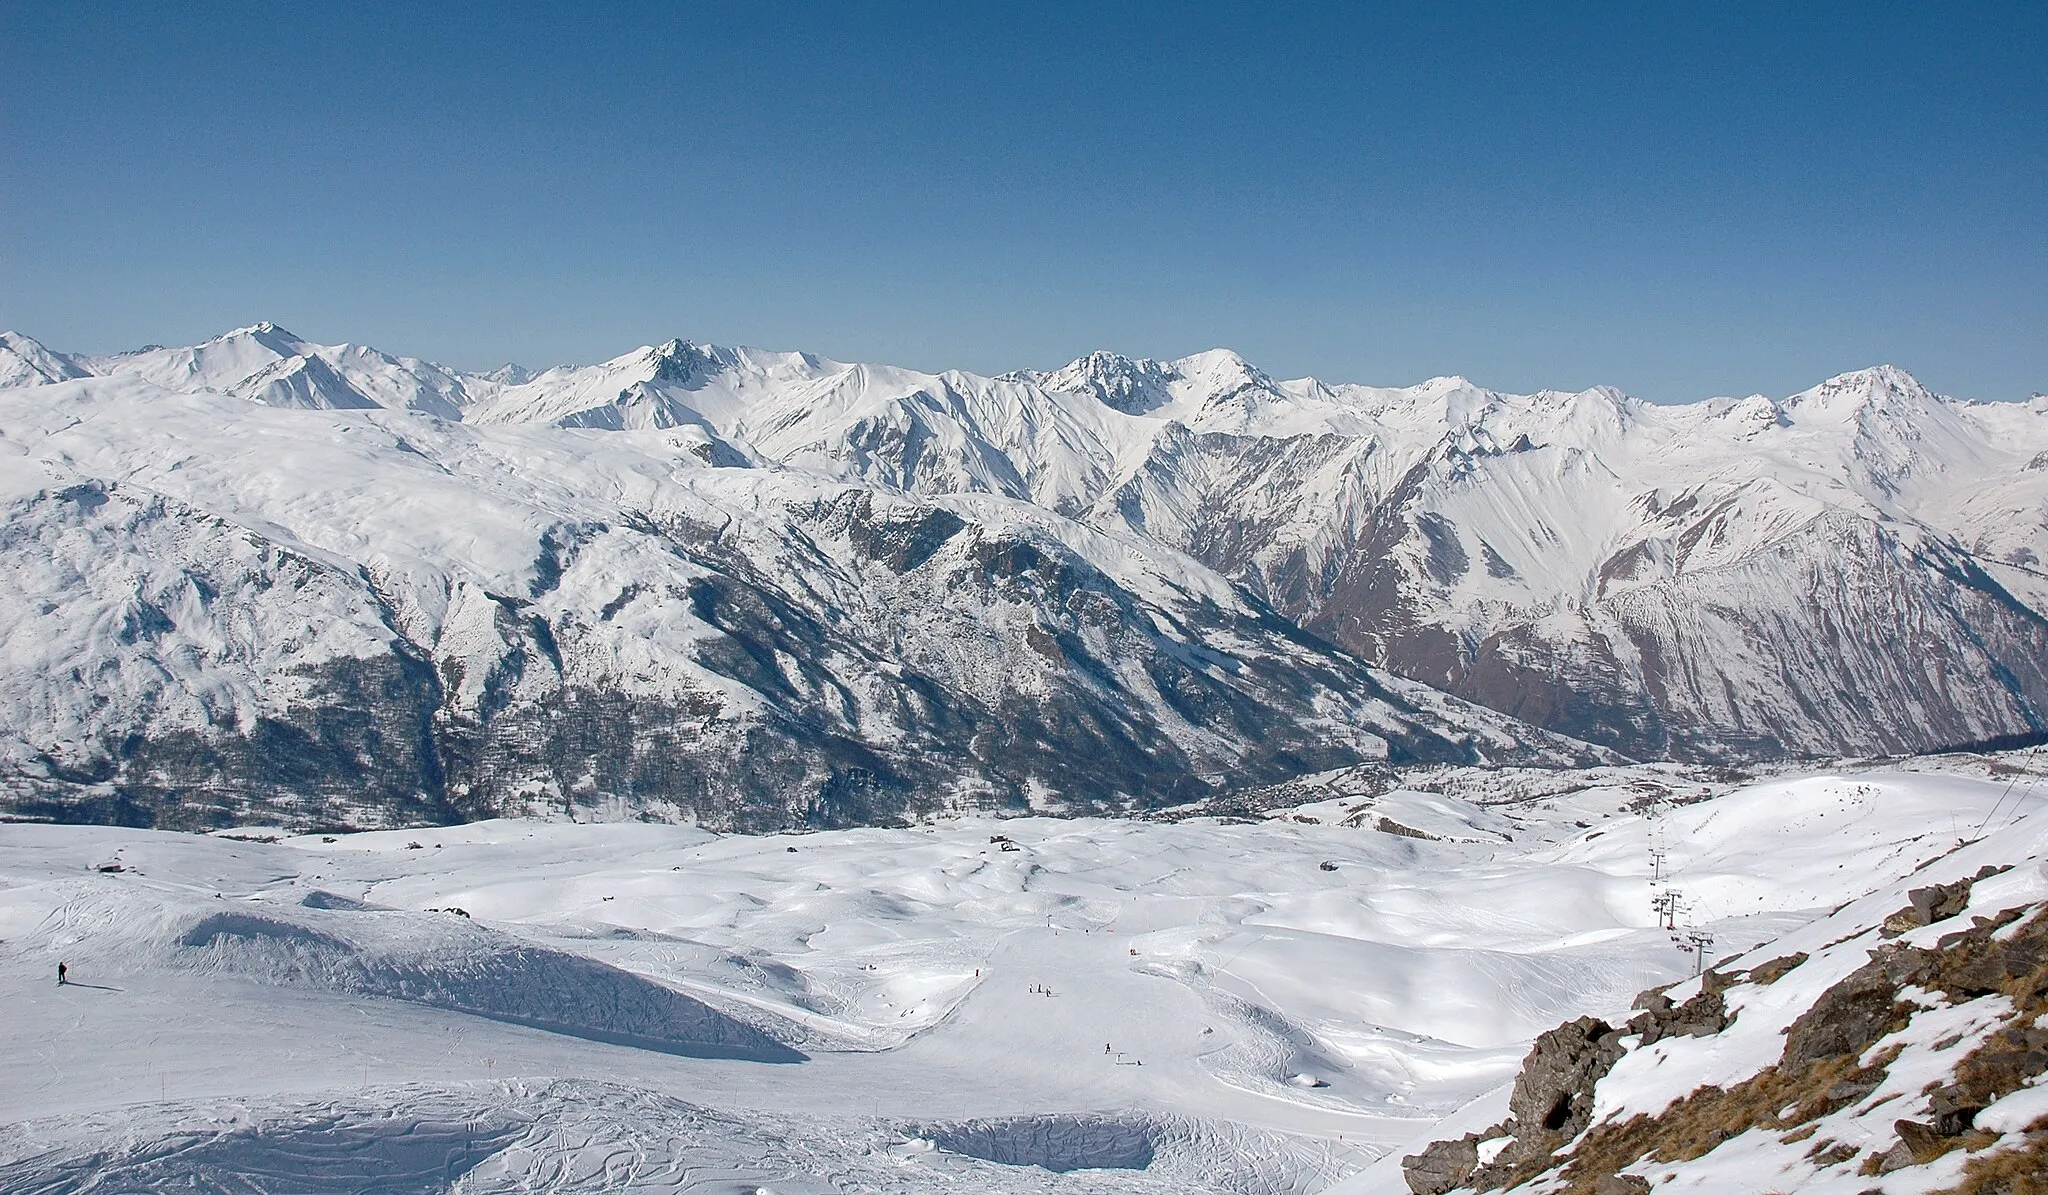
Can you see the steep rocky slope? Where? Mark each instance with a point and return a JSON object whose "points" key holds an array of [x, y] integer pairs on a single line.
{"points": [[1852, 570], [1895, 1046]]}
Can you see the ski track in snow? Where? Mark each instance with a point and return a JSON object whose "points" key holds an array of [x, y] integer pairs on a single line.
{"points": [[640, 1007]]}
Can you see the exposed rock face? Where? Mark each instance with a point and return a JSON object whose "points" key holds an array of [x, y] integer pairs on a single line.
{"points": [[1705, 1013], [1773, 970], [1388, 825], [1554, 1093], [1940, 901], [1917, 1143], [1936, 902], [1552, 1102], [1442, 1166], [1967, 965], [1849, 1017]]}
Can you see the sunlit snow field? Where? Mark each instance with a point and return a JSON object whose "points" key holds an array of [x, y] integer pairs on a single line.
{"points": [[1091, 1005]]}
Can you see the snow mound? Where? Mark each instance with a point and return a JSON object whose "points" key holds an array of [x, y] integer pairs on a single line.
{"points": [[335, 944], [1189, 1153], [316, 1148], [558, 1136], [1057, 1143], [473, 970]]}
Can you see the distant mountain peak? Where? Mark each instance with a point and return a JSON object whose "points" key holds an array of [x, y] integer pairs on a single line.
{"points": [[1221, 365], [25, 362], [303, 381], [682, 363], [509, 374], [1880, 384], [1133, 385], [260, 330]]}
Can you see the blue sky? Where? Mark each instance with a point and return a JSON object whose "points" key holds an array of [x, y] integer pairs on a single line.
{"points": [[1678, 200]]}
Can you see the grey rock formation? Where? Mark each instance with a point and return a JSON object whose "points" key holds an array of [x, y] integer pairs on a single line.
{"points": [[1442, 1165], [1847, 1018], [1553, 1095], [1705, 1013]]}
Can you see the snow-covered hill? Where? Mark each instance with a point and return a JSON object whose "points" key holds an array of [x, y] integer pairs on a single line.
{"points": [[1854, 569], [1208, 1006]]}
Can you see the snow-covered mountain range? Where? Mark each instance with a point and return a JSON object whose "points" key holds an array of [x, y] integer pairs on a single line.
{"points": [[760, 588]]}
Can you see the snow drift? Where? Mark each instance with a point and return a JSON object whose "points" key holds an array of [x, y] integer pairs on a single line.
{"points": [[438, 960]]}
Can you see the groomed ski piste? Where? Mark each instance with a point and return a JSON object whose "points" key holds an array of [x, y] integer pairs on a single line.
{"points": [[1208, 1004]]}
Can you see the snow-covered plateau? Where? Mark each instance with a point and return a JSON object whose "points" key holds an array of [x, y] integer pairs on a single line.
{"points": [[1182, 1003], [260, 579]]}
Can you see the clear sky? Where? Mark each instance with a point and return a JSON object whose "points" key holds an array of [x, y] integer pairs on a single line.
{"points": [[1681, 200]]}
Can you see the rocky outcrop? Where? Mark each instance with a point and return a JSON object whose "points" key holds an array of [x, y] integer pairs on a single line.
{"points": [[1704, 1013], [1825, 1084], [1553, 1095], [1848, 1017], [1775, 969], [1387, 825], [1552, 1103], [1936, 902], [1443, 1165], [1939, 902]]}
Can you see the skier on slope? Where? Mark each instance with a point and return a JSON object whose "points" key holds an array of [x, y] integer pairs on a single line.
{"points": [[61, 969]]}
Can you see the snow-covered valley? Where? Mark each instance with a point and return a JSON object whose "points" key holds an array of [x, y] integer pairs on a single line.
{"points": [[1025, 1004]]}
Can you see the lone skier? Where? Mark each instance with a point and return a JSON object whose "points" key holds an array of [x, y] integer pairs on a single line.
{"points": [[61, 970]]}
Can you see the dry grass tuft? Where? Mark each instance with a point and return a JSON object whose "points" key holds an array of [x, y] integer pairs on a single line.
{"points": [[1774, 1098], [1821, 1073], [2021, 1168], [1792, 1096], [1836, 1153]]}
